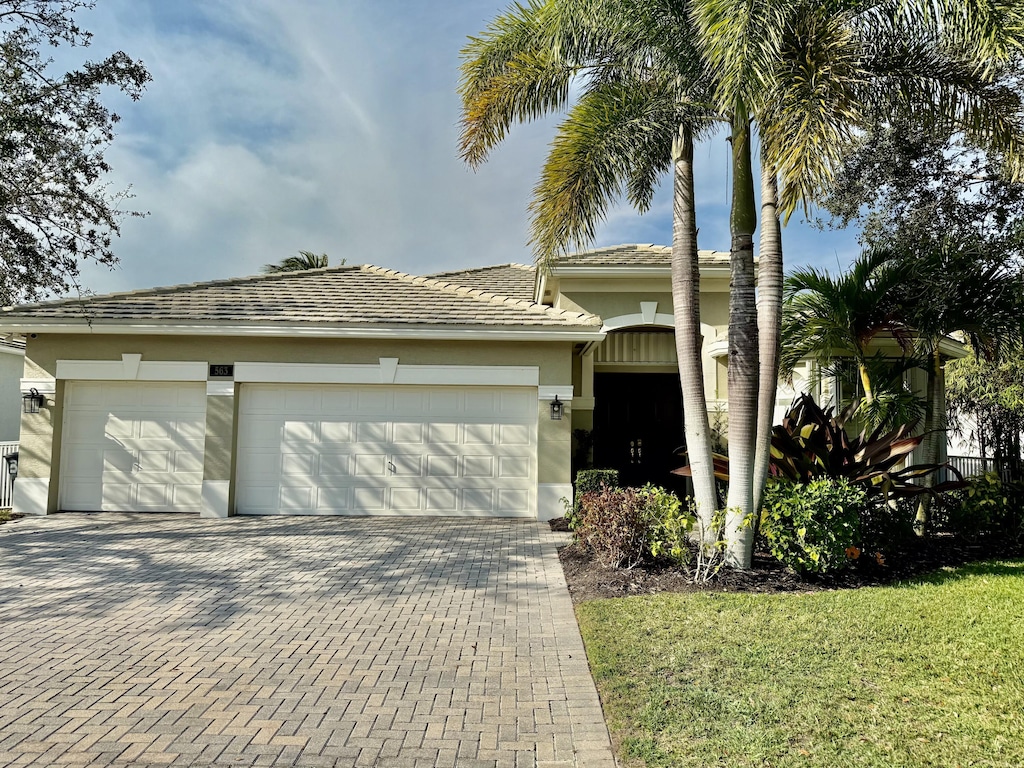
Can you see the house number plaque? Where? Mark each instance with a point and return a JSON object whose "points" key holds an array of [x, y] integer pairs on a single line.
{"points": [[222, 370]]}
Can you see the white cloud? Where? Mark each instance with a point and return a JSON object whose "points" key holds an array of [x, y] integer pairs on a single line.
{"points": [[272, 127]]}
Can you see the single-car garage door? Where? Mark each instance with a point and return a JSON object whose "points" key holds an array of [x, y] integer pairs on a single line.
{"points": [[133, 446], [403, 450]]}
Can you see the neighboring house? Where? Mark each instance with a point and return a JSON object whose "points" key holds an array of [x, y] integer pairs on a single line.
{"points": [[361, 390], [12, 368]]}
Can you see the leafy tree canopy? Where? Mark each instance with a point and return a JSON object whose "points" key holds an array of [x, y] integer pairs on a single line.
{"points": [[909, 187], [56, 210], [956, 220]]}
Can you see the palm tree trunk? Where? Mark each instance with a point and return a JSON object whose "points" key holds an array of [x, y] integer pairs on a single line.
{"points": [[743, 350], [686, 301], [769, 323], [865, 381], [934, 431]]}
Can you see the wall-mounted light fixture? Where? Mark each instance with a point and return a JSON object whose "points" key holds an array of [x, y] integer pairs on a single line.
{"points": [[557, 407], [31, 401]]}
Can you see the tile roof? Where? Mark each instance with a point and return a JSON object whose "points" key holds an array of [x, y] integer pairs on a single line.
{"points": [[513, 280], [349, 295], [633, 256]]}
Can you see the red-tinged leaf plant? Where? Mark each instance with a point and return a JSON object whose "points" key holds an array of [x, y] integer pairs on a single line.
{"points": [[812, 442]]}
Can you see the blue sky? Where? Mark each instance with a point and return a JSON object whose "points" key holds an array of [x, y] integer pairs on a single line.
{"points": [[332, 126]]}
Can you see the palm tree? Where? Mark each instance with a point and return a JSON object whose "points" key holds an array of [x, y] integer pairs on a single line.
{"points": [[824, 315], [305, 260], [641, 106], [769, 322], [920, 297], [811, 75], [959, 286]]}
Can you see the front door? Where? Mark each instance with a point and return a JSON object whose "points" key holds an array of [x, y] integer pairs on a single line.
{"points": [[638, 426]]}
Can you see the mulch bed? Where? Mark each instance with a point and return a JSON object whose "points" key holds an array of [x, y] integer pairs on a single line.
{"points": [[589, 579]]}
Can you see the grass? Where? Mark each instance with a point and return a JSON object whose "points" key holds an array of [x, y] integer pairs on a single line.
{"points": [[926, 673]]}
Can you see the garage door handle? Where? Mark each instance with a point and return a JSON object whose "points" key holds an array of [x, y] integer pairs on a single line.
{"points": [[391, 468]]}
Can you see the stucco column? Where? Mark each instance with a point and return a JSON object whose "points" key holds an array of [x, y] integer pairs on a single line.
{"points": [[35, 488], [554, 452], [220, 437]]}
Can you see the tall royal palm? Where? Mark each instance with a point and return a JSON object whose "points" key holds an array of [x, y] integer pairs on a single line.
{"points": [[808, 76], [642, 103]]}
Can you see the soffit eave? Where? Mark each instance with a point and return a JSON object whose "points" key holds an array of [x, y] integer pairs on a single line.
{"points": [[28, 326], [619, 272]]}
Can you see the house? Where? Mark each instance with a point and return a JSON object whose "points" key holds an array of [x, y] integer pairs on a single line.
{"points": [[12, 365], [361, 390]]}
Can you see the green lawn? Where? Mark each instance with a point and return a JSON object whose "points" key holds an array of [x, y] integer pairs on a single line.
{"points": [[927, 673]]}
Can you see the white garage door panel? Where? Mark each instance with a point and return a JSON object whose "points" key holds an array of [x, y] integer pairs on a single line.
{"points": [[337, 449], [133, 446]]}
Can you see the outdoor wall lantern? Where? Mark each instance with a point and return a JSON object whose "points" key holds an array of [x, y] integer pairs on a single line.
{"points": [[31, 401], [557, 406]]}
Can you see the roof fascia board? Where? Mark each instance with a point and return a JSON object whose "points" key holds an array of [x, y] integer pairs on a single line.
{"points": [[441, 334]]}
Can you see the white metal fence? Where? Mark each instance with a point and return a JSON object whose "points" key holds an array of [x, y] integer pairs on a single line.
{"points": [[6, 482], [972, 466]]}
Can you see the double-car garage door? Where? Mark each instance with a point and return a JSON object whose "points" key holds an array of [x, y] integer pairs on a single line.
{"points": [[407, 450], [306, 449]]}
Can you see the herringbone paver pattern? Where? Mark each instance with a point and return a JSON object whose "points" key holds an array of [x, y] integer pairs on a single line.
{"points": [[149, 640]]}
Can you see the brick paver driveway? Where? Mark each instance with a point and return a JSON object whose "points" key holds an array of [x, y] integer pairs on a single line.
{"points": [[166, 639]]}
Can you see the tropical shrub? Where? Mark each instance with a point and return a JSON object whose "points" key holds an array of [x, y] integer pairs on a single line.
{"points": [[615, 524], [624, 526], [588, 480], [811, 527], [886, 526], [671, 524], [986, 507], [811, 443]]}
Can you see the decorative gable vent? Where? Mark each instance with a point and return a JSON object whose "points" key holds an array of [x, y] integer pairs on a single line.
{"points": [[653, 347]]}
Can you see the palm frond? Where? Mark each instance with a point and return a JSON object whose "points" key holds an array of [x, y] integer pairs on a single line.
{"points": [[305, 260], [616, 138]]}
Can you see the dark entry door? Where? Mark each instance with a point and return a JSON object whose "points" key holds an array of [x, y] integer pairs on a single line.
{"points": [[638, 426]]}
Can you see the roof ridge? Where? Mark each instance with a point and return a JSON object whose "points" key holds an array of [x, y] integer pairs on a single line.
{"points": [[181, 287], [479, 293]]}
